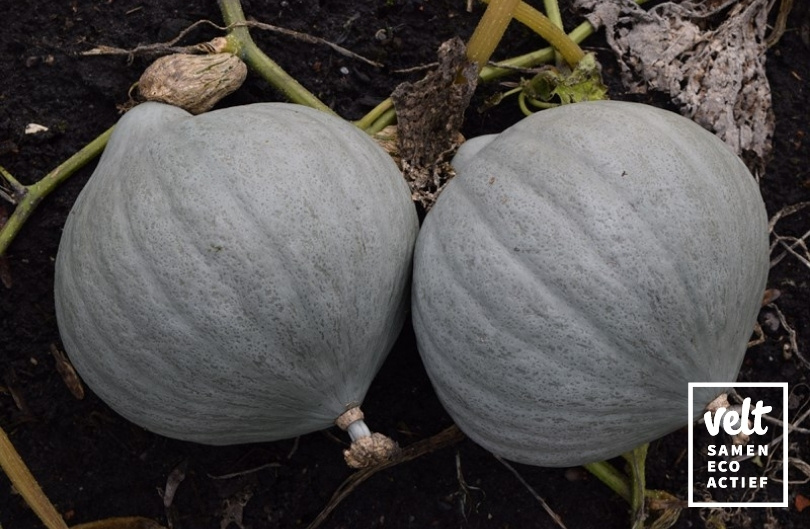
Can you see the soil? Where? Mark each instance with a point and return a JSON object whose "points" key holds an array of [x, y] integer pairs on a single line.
{"points": [[94, 465]]}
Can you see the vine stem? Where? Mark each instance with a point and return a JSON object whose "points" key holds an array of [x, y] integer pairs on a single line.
{"points": [[489, 31], [29, 197], [633, 488], [636, 459], [615, 480], [242, 45], [541, 56], [367, 121], [25, 483], [553, 13], [550, 31]]}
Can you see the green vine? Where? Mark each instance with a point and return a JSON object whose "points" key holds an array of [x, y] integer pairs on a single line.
{"points": [[550, 30], [242, 45], [27, 198], [490, 30]]}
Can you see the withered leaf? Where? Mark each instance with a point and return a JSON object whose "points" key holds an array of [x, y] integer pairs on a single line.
{"points": [[430, 113], [709, 56], [68, 374]]}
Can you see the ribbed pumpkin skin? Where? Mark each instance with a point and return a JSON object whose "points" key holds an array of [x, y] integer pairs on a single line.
{"points": [[237, 276], [580, 270]]}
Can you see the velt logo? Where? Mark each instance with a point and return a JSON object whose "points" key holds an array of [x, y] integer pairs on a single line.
{"points": [[732, 418], [732, 450]]}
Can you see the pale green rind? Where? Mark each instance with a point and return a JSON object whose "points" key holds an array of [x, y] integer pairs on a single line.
{"points": [[579, 271], [236, 276], [469, 149]]}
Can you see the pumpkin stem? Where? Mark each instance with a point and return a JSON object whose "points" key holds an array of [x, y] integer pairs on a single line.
{"points": [[367, 449]]}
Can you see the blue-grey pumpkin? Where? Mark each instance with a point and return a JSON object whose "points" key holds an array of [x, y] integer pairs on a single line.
{"points": [[584, 266], [236, 276]]}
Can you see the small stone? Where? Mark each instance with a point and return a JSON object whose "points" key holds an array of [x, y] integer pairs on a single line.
{"points": [[35, 128]]}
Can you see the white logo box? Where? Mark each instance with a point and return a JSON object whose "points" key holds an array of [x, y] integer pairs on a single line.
{"points": [[784, 477]]}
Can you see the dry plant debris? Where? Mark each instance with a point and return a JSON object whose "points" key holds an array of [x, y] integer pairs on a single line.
{"points": [[430, 113], [171, 46], [709, 56], [67, 372], [194, 83], [447, 437]]}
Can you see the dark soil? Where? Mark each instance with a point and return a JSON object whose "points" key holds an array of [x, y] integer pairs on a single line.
{"points": [[93, 464]]}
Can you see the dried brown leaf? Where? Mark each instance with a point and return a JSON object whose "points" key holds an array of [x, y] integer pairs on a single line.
{"points": [[173, 482], [68, 374], [430, 113], [714, 71]]}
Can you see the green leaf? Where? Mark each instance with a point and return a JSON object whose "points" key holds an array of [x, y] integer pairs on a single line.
{"points": [[584, 83]]}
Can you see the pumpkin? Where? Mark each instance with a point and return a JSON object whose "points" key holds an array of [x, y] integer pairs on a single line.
{"points": [[236, 276], [580, 270]]}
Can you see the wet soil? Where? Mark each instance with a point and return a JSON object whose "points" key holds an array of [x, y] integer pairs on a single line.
{"points": [[93, 464]]}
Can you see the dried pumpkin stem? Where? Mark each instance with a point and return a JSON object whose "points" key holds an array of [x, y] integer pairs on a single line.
{"points": [[367, 449], [242, 44], [27, 486], [30, 196]]}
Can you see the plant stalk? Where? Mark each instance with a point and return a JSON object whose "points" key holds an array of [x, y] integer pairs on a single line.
{"points": [[489, 31], [538, 22], [554, 15], [367, 122], [638, 484], [615, 480], [553, 12], [33, 194], [27, 486], [533, 58], [389, 117], [541, 56], [241, 43]]}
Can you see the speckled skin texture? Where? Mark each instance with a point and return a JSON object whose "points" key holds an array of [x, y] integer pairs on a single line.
{"points": [[580, 270], [237, 276]]}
